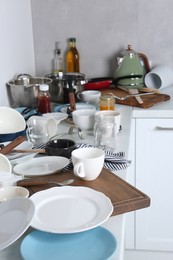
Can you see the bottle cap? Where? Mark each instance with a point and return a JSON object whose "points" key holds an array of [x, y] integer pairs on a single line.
{"points": [[72, 39], [44, 87]]}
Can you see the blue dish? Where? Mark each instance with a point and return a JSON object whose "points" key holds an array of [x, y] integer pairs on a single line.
{"points": [[11, 137], [94, 244]]}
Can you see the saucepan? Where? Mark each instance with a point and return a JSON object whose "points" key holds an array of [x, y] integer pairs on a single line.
{"points": [[104, 82]]}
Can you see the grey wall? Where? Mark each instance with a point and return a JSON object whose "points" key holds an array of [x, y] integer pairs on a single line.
{"points": [[103, 28]]}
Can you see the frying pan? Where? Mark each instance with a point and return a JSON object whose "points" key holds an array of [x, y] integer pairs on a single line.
{"points": [[104, 82]]}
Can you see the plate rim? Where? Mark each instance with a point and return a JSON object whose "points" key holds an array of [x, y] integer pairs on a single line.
{"points": [[28, 211], [66, 190], [44, 159]]}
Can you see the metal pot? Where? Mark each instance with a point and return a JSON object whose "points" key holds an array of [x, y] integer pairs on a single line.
{"points": [[59, 86], [23, 90]]}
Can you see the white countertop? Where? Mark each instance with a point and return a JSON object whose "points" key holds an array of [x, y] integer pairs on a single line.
{"points": [[159, 110], [116, 223]]}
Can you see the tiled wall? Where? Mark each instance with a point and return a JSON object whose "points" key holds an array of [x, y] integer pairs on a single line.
{"points": [[103, 29]]}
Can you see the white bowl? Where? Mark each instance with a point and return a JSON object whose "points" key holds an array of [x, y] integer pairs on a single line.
{"points": [[11, 121], [84, 118], [5, 165], [89, 95], [11, 192]]}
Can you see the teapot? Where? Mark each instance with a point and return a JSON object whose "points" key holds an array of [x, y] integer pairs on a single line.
{"points": [[131, 69]]}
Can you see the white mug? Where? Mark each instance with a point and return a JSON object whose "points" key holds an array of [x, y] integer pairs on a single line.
{"points": [[40, 129], [84, 118], [159, 77], [88, 162]]}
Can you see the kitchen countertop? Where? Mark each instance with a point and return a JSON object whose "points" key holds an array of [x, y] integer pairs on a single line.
{"points": [[159, 110]]}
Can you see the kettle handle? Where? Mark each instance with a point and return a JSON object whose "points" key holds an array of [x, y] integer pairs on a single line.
{"points": [[146, 62]]}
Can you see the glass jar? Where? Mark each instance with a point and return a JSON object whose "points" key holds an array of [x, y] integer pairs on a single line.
{"points": [[105, 132], [107, 102]]}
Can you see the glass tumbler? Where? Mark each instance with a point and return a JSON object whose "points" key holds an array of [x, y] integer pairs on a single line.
{"points": [[105, 132]]}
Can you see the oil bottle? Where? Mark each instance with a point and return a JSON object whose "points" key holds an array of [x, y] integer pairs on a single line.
{"points": [[72, 57]]}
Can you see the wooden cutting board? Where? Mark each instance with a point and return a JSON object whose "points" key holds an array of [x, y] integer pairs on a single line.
{"points": [[124, 196], [148, 100]]}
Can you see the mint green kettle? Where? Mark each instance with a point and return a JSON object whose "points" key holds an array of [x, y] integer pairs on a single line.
{"points": [[131, 69]]}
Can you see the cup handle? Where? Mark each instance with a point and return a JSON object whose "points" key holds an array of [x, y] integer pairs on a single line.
{"points": [[79, 170]]}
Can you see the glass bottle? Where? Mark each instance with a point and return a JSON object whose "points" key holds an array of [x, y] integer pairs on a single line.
{"points": [[44, 99], [58, 60], [72, 57]]}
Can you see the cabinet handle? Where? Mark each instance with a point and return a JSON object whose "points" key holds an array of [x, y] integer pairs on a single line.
{"points": [[164, 128]]}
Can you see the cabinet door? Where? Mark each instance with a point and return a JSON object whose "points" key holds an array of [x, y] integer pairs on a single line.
{"points": [[154, 176]]}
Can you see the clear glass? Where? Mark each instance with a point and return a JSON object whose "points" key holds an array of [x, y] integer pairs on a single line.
{"points": [[105, 133]]}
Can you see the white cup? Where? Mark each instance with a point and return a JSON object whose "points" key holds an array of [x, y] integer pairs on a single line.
{"points": [[40, 129], [90, 96], [115, 114], [84, 118], [88, 162], [159, 77]]}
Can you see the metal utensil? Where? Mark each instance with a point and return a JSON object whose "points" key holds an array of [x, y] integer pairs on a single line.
{"points": [[37, 182], [132, 95]]}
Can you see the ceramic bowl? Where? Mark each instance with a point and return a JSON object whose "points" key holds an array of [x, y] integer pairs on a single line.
{"points": [[90, 96], [11, 192], [60, 147], [5, 165], [84, 118], [11, 121]]}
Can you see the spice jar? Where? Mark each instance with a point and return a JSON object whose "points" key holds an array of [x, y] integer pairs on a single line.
{"points": [[107, 102], [44, 99]]}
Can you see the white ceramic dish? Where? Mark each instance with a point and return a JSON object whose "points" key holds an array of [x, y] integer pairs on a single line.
{"points": [[5, 165], [15, 218], [89, 95], [11, 192], [70, 209], [11, 121], [84, 118], [78, 106], [41, 166], [58, 116], [24, 145], [94, 244]]}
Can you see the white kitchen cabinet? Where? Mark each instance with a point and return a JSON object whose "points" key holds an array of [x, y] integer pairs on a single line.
{"points": [[152, 236]]}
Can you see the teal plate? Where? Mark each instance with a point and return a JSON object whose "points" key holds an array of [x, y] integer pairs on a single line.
{"points": [[94, 244]]}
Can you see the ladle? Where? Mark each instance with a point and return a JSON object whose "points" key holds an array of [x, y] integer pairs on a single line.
{"points": [[132, 95]]}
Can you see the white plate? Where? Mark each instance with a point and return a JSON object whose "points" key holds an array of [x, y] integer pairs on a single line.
{"points": [[22, 146], [58, 116], [41, 166], [70, 209], [15, 218]]}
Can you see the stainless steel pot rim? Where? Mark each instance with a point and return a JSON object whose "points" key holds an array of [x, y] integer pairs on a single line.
{"points": [[29, 82]]}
